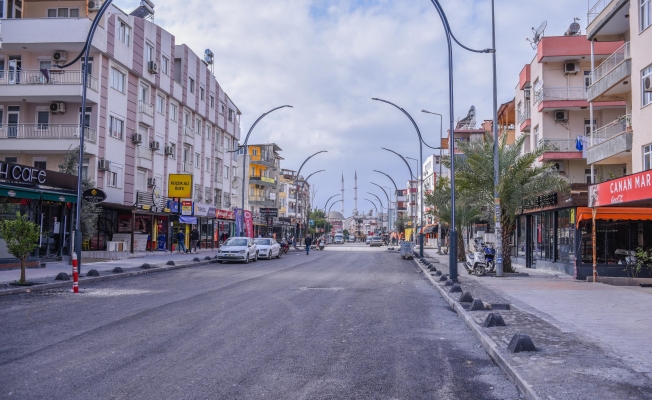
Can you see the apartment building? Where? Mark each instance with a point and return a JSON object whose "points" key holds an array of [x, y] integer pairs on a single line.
{"points": [[263, 182], [297, 202], [153, 108]]}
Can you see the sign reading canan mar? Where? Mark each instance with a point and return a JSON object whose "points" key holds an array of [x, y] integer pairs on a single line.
{"points": [[180, 185]]}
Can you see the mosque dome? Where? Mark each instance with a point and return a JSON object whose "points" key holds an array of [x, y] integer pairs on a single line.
{"points": [[335, 215]]}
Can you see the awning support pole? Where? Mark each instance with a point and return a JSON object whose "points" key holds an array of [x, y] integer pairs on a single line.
{"points": [[593, 243]]}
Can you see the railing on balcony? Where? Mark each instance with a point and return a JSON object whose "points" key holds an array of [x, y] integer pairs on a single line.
{"points": [[596, 10], [560, 93], [187, 167], [608, 65], [614, 128], [146, 108], [188, 131], [256, 179], [47, 77], [260, 199], [144, 152], [561, 145], [46, 131], [523, 115]]}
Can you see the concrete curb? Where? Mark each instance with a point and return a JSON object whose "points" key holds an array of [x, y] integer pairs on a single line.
{"points": [[487, 343], [57, 285]]}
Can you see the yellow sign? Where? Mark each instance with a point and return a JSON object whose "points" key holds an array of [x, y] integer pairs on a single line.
{"points": [[266, 179], [180, 185]]}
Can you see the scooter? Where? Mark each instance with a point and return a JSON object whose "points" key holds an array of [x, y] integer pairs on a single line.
{"points": [[490, 256], [475, 262], [321, 245]]}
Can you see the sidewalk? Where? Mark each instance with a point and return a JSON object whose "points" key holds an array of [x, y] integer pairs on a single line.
{"points": [[612, 325]]}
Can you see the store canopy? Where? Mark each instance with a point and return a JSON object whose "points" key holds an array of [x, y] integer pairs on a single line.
{"points": [[188, 220], [429, 229], [30, 193], [615, 213]]}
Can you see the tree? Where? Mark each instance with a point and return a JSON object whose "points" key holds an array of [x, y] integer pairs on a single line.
{"points": [[22, 237], [88, 211], [467, 209], [401, 222], [521, 179]]}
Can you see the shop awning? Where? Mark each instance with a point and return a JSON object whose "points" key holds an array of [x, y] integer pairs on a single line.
{"points": [[429, 229], [188, 220], [30, 193], [62, 197], [616, 213]]}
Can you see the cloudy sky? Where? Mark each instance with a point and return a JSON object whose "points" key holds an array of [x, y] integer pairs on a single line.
{"points": [[328, 58]]}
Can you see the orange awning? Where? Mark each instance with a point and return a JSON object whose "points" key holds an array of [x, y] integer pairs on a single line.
{"points": [[617, 213]]}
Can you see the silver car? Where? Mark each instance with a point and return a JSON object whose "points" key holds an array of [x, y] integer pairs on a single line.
{"points": [[242, 249], [268, 248], [376, 241]]}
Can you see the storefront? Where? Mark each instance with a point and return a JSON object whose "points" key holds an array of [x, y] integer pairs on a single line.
{"points": [[48, 199], [206, 225], [225, 220]]}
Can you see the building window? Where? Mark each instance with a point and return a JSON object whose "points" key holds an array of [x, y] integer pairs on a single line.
{"points": [[114, 177], [222, 108], [198, 192], [212, 101], [117, 80], [42, 120], [226, 172], [173, 111], [536, 136], [647, 157], [588, 128], [646, 14], [85, 162], [207, 164], [160, 104], [149, 52], [647, 96], [197, 160], [587, 79], [62, 12], [40, 163], [186, 119], [191, 85], [165, 65], [124, 33], [116, 127], [202, 93], [208, 132], [230, 115], [227, 143], [218, 170], [198, 126]]}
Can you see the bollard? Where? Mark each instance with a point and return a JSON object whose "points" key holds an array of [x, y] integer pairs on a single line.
{"points": [[75, 274]]}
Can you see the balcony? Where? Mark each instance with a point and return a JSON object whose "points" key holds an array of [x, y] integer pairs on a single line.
{"points": [[62, 85], [263, 160], [50, 137], [559, 149], [263, 201], [188, 135], [606, 79], [557, 97], [262, 180], [612, 143], [606, 19], [524, 121], [144, 157], [146, 113], [187, 167]]}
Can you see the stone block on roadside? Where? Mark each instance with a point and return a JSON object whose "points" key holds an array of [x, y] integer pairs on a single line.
{"points": [[145, 266], [456, 288], [170, 262], [449, 282], [443, 278], [207, 258], [477, 305], [521, 342], [92, 272], [118, 270], [196, 259], [62, 276], [493, 319], [438, 273], [466, 297]]}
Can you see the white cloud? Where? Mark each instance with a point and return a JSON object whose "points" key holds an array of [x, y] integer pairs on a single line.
{"points": [[327, 58]]}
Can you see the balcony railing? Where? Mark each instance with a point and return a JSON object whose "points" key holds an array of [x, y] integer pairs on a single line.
{"points": [[146, 108], [612, 129], [144, 152], [47, 77], [187, 167], [596, 10], [264, 179], [608, 65], [46, 131], [523, 115], [560, 93], [260, 199], [561, 145], [188, 131]]}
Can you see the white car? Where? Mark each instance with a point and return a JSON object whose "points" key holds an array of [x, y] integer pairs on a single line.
{"points": [[369, 239], [268, 248], [241, 249]]}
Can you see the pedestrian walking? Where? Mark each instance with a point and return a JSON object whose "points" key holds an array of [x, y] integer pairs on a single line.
{"points": [[308, 242], [181, 241], [194, 239]]}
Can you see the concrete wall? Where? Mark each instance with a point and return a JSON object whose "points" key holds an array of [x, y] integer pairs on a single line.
{"points": [[641, 43]]}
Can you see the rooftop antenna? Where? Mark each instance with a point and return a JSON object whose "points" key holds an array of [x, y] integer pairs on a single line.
{"points": [[574, 28], [538, 34], [209, 58]]}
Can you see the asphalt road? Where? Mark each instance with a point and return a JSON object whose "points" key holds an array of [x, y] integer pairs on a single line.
{"points": [[346, 323]]}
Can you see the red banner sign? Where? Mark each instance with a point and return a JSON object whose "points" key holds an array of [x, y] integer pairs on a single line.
{"points": [[622, 190], [249, 223], [224, 214]]}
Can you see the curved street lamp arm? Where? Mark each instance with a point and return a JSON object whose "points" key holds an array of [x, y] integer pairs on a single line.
{"points": [[306, 180], [444, 20], [379, 200], [306, 160], [244, 144], [405, 161], [384, 191], [409, 116], [335, 202], [374, 204], [329, 199], [390, 178]]}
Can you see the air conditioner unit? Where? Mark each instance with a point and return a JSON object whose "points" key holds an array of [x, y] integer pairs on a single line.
{"points": [[137, 138], [558, 167], [104, 165], [94, 5], [151, 181], [647, 84], [571, 67], [155, 145], [561, 115], [153, 67], [169, 150], [58, 107], [526, 93], [60, 56]]}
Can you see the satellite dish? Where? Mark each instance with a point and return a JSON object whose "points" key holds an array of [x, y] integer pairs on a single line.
{"points": [[208, 52], [208, 57], [538, 34], [574, 28]]}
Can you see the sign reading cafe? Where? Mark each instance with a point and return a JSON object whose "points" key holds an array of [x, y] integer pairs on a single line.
{"points": [[26, 175]]}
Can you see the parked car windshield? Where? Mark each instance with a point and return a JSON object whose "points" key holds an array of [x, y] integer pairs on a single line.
{"points": [[236, 242], [264, 242]]}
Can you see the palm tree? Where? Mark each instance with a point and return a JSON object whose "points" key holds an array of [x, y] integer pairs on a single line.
{"points": [[521, 179]]}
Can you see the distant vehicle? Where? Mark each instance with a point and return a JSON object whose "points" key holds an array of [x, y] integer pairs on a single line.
{"points": [[376, 241], [339, 238], [369, 239], [351, 239], [238, 249], [268, 248]]}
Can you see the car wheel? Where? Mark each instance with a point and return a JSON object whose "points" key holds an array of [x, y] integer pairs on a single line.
{"points": [[219, 261], [255, 257], [246, 261], [278, 255]]}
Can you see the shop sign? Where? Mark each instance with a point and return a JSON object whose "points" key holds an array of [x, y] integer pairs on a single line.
{"points": [[622, 190], [180, 185], [93, 195], [201, 210], [272, 196], [269, 212], [11, 193], [266, 179], [545, 200], [224, 214], [186, 207], [35, 176]]}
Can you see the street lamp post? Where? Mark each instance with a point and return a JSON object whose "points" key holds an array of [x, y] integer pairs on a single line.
{"points": [[374, 204], [395, 195], [389, 206], [412, 217], [307, 203], [421, 166], [441, 127], [297, 180], [452, 259], [381, 209]]}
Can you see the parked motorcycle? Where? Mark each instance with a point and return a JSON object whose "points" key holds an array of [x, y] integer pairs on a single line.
{"points": [[490, 258], [475, 262], [285, 246]]}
